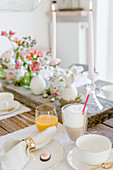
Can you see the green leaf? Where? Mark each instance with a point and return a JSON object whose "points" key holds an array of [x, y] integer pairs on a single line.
{"points": [[48, 91], [16, 49], [28, 68], [61, 80], [78, 97], [22, 58], [19, 82], [17, 55], [24, 64]]}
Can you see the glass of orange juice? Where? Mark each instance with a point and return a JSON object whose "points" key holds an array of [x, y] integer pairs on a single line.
{"points": [[45, 116]]}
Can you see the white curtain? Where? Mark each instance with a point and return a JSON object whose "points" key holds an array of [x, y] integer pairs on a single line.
{"points": [[110, 43], [104, 39]]}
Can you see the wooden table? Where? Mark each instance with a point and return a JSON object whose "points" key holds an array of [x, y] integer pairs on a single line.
{"points": [[27, 119], [94, 115]]}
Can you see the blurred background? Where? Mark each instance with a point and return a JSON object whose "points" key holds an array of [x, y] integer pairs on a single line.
{"points": [[72, 31]]}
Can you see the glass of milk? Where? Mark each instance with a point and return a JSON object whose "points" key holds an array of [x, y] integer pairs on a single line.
{"points": [[74, 121]]}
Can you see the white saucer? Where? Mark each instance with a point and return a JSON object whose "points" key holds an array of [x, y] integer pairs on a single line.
{"points": [[57, 153], [74, 161], [16, 106]]}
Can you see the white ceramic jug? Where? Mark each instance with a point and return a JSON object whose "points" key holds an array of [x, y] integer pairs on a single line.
{"points": [[38, 84]]}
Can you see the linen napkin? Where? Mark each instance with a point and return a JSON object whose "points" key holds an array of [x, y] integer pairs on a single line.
{"points": [[16, 154], [21, 109]]}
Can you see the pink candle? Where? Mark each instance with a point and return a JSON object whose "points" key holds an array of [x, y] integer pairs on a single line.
{"points": [[54, 61], [53, 31], [90, 41]]}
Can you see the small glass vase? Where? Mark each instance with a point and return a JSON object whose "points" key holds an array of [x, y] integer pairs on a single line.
{"points": [[2, 75], [27, 79]]}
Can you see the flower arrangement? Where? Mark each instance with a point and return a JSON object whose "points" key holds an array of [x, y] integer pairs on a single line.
{"points": [[25, 54]]}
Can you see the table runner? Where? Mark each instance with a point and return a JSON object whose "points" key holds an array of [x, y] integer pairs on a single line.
{"points": [[60, 137], [21, 109]]}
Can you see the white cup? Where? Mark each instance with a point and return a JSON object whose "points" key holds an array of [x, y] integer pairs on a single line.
{"points": [[93, 149], [6, 100], [108, 91]]}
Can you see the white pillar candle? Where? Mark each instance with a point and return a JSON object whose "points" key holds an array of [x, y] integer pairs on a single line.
{"points": [[90, 41], [53, 31]]}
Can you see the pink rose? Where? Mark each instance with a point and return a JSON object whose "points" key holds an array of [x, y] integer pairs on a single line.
{"points": [[35, 66], [55, 61], [40, 54], [11, 33], [18, 64], [3, 33]]}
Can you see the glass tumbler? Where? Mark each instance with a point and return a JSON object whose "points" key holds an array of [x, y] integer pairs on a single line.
{"points": [[74, 121], [45, 116]]}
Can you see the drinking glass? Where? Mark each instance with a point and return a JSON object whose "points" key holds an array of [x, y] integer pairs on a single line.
{"points": [[45, 116], [74, 121]]}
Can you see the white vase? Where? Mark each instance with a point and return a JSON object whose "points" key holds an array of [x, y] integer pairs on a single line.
{"points": [[38, 84]]}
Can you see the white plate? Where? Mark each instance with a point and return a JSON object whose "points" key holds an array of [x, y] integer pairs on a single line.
{"points": [[16, 106], [57, 153], [74, 161]]}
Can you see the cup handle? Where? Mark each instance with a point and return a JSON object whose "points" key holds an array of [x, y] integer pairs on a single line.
{"points": [[6, 105]]}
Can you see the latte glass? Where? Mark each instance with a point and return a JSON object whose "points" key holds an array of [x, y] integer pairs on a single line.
{"points": [[74, 121]]}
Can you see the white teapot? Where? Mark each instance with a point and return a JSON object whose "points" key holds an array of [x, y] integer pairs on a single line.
{"points": [[69, 92]]}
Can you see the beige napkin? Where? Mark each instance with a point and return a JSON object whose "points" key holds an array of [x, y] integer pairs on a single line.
{"points": [[16, 153]]}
